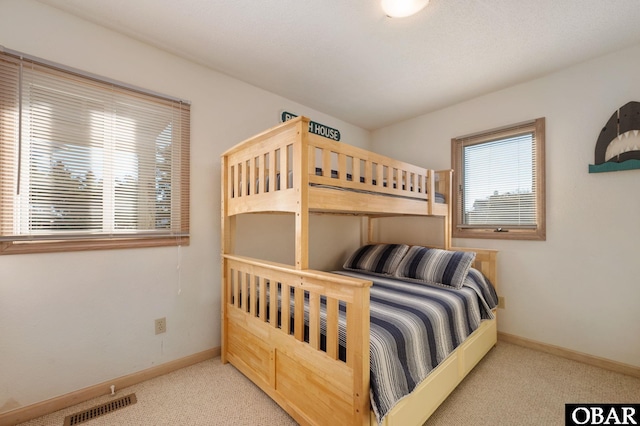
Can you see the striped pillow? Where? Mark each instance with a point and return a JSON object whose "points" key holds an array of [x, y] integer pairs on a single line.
{"points": [[378, 259], [435, 266]]}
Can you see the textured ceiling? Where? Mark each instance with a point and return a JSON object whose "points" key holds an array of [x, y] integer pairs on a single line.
{"points": [[346, 59]]}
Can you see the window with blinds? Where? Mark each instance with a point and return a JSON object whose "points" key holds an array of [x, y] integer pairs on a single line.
{"points": [[499, 178], [87, 163]]}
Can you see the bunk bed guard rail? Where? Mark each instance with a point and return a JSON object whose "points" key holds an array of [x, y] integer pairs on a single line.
{"points": [[282, 163]]}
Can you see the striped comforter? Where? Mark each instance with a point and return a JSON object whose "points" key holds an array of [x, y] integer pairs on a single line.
{"points": [[414, 327]]}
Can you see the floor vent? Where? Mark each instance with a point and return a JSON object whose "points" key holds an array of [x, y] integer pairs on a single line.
{"points": [[100, 410]]}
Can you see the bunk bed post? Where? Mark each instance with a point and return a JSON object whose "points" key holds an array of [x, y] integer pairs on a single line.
{"points": [[431, 190], [358, 354], [227, 236], [367, 226], [444, 187], [301, 170]]}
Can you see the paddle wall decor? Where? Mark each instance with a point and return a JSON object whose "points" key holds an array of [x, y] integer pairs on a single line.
{"points": [[618, 146]]}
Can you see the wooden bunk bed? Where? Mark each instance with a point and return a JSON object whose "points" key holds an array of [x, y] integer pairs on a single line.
{"points": [[274, 337]]}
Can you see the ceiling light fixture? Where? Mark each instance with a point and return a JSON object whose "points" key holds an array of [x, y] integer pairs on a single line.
{"points": [[403, 8]]}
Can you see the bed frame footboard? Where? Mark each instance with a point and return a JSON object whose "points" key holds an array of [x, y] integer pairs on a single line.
{"points": [[272, 333]]}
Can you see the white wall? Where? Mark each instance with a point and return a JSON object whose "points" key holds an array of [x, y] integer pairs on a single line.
{"points": [[580, 288], [71, 320]]}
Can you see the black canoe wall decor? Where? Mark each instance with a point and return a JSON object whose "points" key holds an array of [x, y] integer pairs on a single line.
{"points": [[618, 146]]}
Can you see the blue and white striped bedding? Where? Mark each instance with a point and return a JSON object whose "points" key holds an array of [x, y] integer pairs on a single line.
{"points": [[414, 327]]}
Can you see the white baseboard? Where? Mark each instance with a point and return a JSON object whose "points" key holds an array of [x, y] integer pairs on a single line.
{"points": [[49, 406], [607, 364]]}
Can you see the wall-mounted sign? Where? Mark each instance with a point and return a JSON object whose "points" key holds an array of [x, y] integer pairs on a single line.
{"points": [[315, 128]]}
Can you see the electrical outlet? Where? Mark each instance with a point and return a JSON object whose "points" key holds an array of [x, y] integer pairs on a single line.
{"points": [[161, 325], [501, 303]]}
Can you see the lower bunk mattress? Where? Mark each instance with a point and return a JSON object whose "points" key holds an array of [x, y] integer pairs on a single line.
{"points": [[414, 327]]}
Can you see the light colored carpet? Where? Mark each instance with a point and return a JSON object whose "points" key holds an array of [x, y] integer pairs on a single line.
{"points": [[511, 386], [207, 393], [517, 386]]}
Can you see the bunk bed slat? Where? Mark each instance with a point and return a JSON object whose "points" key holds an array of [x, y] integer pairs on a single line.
{"points": [[263, 300], [252, 281], [332, 328], [273, 303], [298, 316], [342, 168], [285, 295], [314, 320]]}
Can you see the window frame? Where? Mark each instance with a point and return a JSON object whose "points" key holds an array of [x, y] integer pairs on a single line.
{"points": [[505, 232], [178, 235]]}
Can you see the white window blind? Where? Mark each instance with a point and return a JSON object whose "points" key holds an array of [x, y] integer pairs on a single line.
{"points": [[87, 159], [499, 182]]}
